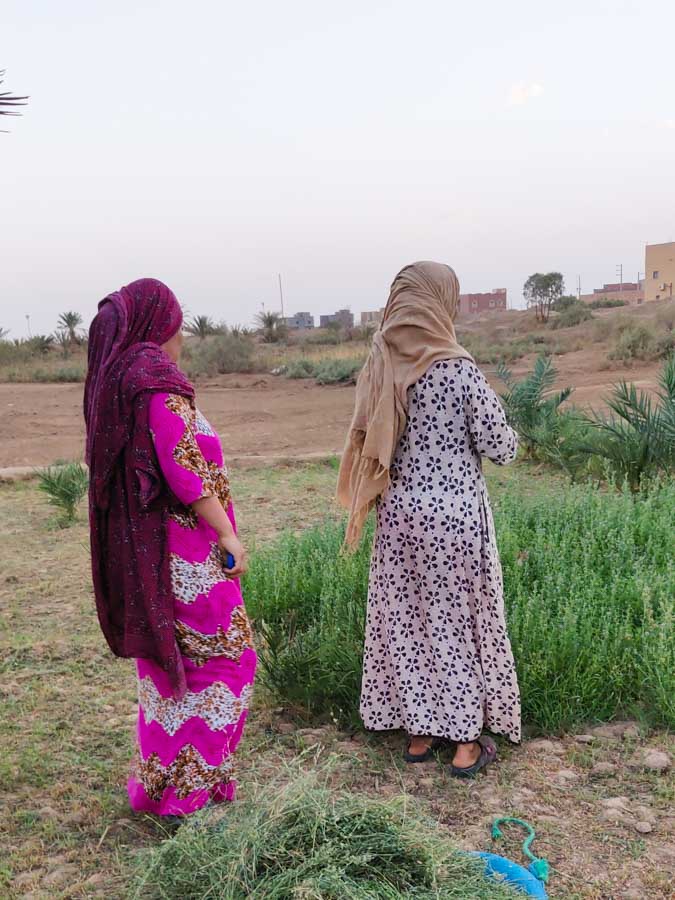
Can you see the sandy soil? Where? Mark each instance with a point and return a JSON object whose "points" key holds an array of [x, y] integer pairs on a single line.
{"points": [[255, 415]]}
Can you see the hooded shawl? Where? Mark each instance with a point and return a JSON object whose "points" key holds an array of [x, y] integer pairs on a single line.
{"points": [[128, 498], [417, 331]]}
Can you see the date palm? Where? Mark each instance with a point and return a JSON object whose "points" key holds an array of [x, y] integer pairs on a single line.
{"points": [[9, 102], [201, 326], [70, 322]]}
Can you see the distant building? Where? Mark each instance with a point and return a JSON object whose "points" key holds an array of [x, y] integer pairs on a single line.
{"points": [[473, 304], [659, 271], [300, 321], [631, 292], [371, 319], [343, 317]]}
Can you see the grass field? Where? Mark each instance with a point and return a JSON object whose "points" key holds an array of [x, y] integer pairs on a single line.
{"points": [[67, 710]]}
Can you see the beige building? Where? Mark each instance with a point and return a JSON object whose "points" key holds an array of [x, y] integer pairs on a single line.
{"points": [[371, 319], [659, 271], [631, 293]]}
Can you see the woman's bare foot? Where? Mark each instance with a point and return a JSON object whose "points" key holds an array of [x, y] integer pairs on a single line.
{"points": [[466, 755], [419, 744]]}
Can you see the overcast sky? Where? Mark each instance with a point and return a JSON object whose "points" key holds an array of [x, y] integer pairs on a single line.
{"points": [[214, 144]]}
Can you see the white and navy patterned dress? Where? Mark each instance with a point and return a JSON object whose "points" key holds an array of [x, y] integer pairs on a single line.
{"points": [[438, 659]]}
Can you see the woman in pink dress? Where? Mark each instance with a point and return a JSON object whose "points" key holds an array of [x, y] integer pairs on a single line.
{"points": [[163, 533]]}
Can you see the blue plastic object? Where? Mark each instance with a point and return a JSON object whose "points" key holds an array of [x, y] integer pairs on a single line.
{"points": [[511, 873], [229, 561]]}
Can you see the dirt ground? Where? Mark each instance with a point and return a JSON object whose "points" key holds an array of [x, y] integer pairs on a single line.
{"points": [[256, 415]]}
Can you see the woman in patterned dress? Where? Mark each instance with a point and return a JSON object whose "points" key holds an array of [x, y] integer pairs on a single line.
{"points": [[437, 658], [162, 525]]}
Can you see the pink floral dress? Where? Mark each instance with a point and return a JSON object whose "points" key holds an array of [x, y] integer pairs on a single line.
{"points": [[185, 747]]}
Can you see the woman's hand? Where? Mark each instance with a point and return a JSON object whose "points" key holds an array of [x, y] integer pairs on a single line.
{"points": [[230, 543]]}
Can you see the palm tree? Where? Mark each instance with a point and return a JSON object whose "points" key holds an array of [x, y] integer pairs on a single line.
{"points": [[637, 437], [201, 326], [272, 326], [64, 341], [69, 322], [41, 343], [3, 333], [9, 102]]}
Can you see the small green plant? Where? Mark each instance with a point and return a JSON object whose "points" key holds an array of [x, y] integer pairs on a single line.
{"points": [[530, 404], [300, 839], [65, 486], [637, 437]]}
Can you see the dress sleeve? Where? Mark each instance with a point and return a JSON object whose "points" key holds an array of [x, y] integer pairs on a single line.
{"points": [[490, 434], [172, 424]]}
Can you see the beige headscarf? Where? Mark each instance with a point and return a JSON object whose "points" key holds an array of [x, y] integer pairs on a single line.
{"points": [[417, 330]]}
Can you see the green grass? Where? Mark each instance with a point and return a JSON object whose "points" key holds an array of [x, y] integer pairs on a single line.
{"points": [[590, 594], [299, 839]]}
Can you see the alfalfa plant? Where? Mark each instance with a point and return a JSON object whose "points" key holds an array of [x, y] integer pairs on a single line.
{"points": [[301, 839], [65, 486]]}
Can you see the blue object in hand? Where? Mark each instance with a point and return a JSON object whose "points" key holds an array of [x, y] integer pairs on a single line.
{"points": [[229, 561]]}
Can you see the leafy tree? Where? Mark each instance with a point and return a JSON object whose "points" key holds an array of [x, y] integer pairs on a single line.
{"points": [[69, 322], [201, 326], [3, 333], [541, 291]]}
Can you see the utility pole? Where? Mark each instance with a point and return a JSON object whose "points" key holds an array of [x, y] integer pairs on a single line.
{"points": [[619, 272], [28, 325], [578, 287], [281, 296]]}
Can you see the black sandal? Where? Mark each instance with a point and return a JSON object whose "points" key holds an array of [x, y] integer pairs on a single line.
{"points": [[436, 744], [488, 754]]}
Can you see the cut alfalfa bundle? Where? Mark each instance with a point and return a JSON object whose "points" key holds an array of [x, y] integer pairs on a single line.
{"points": [[301, 840]]}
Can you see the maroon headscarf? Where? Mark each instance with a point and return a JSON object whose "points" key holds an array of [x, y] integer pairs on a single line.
{"points": [[128, 498]]}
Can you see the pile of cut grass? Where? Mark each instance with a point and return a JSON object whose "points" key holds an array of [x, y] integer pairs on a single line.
{"points": [[301, 840], [590, 596]]}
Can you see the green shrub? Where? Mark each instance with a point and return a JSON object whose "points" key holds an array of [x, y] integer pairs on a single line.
{"points": [[338, 371], [607, 303], [634, 341], [222, 354], [572, 315], [326, 371], [302, 840], [590, 596], [64, 375], [65, 486], [565, 302], [301, 368]]}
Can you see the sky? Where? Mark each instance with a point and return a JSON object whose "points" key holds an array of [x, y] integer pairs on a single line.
{"points": [[215, 144]]}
